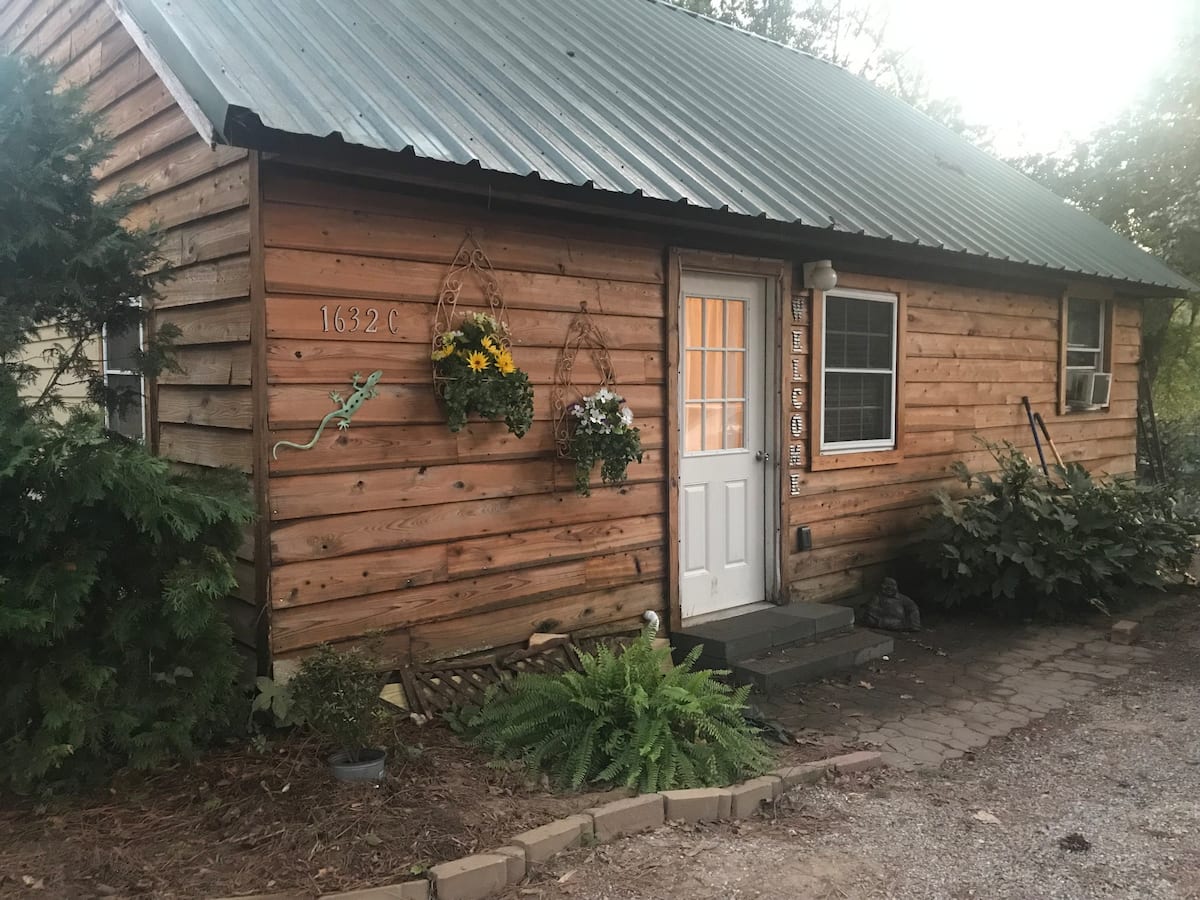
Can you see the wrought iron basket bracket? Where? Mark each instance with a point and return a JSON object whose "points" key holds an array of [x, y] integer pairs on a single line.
{"points": [[469, 261], [582, 334]]}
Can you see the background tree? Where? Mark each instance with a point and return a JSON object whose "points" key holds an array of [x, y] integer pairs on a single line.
{"points": [[66, 260], [113, 565], [854, 36], [1141, 176]]}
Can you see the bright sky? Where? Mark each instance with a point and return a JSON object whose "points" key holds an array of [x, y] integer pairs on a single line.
{"points": [[1039, 73]]}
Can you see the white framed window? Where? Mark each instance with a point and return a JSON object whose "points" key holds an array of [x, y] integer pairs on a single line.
{"points": [[119, 354], [1087, 371], [858, 371]]}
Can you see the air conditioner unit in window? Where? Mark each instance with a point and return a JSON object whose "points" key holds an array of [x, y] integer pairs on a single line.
{"points": [[1088, 390]]}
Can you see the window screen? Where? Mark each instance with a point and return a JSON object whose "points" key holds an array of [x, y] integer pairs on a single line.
{"points": [[128, 416], [1085, 334], [859, 344]]}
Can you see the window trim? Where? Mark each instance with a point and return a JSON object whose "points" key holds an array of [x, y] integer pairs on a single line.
{"points": [[844, 456], [106, 371], [1108, 306]]}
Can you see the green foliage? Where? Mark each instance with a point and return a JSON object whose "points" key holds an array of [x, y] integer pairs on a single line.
{"points": [[276, 700], [478, 376], [112, 569], [623, 720], [1023, 545], [602, 430], [66, 258], [336, 694]]}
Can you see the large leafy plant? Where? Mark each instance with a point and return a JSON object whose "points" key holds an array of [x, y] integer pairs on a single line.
{"points": [[601, 429], [477, 375], [626, 719], [1023, 544]]}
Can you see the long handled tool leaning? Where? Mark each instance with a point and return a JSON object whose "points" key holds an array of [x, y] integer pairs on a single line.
{"points": [[1037, 442], [1037, 417]]}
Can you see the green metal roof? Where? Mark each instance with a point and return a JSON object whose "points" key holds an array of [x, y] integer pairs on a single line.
{"points": [[629, 96]]}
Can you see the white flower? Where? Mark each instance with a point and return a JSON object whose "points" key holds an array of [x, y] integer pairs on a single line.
{"points": [[626, 416]]}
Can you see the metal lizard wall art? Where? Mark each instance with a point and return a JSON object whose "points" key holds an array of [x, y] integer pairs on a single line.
{"points": [[363, 391]]}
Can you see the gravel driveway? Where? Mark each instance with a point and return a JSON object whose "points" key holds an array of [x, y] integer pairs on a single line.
{"points": [[1101, 799]]}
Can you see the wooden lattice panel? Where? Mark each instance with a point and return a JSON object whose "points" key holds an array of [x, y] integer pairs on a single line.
{"points": [[437, 688]]}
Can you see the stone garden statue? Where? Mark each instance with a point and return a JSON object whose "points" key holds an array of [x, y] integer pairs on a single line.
{"points": [[891, 610]]}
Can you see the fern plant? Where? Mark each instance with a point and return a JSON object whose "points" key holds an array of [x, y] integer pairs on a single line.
{"points": [[624, 720]]}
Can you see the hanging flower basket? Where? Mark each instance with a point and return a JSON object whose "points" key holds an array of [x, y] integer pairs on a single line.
{"points": [[475, 374], [473, 368], [601, 430]]}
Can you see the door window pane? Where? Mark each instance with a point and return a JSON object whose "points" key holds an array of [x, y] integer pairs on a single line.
{"points": [[693, 322], [714, 375], [714, 323], [714, 426], [694, 372], [735, 319], [695, 431], [735, 374], [735, 426]]}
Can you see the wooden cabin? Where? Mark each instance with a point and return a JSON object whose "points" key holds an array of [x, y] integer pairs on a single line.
{"points": [[697, 187]]}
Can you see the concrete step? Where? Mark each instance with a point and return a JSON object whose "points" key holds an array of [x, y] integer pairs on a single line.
{"points": [[782, 668], [728, 641]]}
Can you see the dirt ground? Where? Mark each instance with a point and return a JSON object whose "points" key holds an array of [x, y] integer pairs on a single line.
{"points": [[1095, 800], [240, 823]]}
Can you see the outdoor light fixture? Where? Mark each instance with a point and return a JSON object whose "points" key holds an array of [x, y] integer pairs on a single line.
{"points": [[820, 275]]}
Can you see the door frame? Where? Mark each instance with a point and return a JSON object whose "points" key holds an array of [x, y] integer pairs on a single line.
{"points": [[778, 276]]}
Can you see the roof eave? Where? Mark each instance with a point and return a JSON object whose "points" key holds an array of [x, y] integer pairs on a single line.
{"points": [[245, 129]]}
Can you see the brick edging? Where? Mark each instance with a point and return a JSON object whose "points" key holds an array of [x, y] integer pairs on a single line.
{"points": [[485, 874]]}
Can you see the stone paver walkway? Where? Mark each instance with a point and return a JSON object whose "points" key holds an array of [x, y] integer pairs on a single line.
{"points": [[949, 690]]}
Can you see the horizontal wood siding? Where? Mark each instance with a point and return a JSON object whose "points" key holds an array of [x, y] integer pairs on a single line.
{"points": [[445, 543], [198, 196], [969, 357]]}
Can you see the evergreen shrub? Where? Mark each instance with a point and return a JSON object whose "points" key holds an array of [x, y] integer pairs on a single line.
{"points": [[115, 647], [336, 694]]}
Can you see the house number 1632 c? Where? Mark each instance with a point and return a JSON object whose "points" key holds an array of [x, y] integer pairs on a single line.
{"points": [[350, 319]]}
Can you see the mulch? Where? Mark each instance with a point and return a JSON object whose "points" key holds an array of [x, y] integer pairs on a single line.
{"points": [[242, 822]]}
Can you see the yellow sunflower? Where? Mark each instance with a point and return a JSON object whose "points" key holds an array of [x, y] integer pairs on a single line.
{"points": [[444, 351], [477, 361], [489, 344], [504, 362]]}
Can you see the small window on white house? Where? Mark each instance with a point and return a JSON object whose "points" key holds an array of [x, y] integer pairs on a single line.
{"points": [[858, 371], [1088, 378], [120, 374]]}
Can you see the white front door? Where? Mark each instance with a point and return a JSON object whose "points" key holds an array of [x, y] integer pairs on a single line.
{"points": [[723, 470]]}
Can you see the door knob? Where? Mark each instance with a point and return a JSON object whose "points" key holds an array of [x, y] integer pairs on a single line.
{"points": [[761, 456]]}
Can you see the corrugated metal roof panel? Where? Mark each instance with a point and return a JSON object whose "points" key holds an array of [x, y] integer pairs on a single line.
{"points": [[628, 96]]}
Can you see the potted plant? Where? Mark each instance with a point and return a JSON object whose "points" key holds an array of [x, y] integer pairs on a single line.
{"points": [[337, 695], [476, 374], [601, 428]]}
